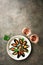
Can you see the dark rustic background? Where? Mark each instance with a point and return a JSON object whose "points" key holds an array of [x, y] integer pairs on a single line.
{"points": [[15, 15]]}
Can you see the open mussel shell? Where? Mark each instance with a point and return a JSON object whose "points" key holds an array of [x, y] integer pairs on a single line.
{"points": [[26, 46], [14, 44], [25, 42], [23, 55], [19, 47], [12, 49], [14, 53], [25, 50], [20, 41], [16, 41], [18, 55]]}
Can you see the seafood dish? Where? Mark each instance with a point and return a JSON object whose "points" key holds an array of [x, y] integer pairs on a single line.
{"points": [[19, 47]]}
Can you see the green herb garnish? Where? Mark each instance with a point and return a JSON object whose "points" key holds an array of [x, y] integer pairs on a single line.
{"points": [[6, 37], [22, 39], [16, 50]]}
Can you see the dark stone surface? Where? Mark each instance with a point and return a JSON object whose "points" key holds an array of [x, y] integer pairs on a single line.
{"points": [[15, 15]]}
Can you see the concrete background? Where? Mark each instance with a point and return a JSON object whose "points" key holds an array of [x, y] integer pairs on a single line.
{"points": [[15, 15]]}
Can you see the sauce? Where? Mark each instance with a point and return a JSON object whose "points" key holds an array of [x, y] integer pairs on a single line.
{"points": [[33, 38], [26, 31]]}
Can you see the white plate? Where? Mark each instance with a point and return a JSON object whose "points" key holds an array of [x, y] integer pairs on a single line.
{"points": [[9, 46]]}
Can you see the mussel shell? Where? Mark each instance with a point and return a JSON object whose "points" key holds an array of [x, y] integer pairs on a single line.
{"points": [[23, 55]]}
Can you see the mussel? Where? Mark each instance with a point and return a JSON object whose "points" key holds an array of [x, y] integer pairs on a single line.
{"points": [[14, 44], [12, 49], [26, 46], [14, 53], [23, 55], [20, 41], [16, 41], [25, 42]]}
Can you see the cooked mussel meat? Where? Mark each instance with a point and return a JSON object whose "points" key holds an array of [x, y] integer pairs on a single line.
{"points": [[20, 41], [25, 42], [14, 44], [14, 53], [26, 46], [12, 49], [16, 41]]}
